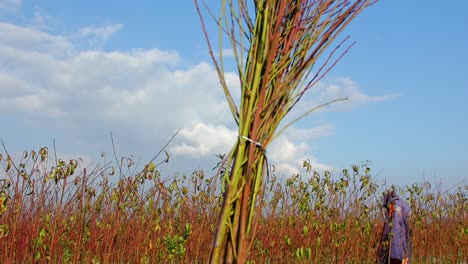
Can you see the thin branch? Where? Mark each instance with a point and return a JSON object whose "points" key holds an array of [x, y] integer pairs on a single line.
{"points": [[8, 155], [116, 159], [161, 150], [307, 113], [55, 153]]}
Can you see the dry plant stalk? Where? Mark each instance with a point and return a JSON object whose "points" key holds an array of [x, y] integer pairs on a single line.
{"points": [[275, 44]]}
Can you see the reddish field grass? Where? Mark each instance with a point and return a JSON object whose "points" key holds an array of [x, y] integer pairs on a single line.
{"points": [[62, 213]]}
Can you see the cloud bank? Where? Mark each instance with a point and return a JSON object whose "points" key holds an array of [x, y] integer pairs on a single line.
{"points": [[142, 95], [10, 5]]}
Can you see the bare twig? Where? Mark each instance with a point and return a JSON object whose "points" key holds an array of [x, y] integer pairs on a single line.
{"points": [[116, 159], [163, 149]]}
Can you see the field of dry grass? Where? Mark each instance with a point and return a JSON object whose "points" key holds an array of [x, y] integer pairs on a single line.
{"points": [[58, 212]]}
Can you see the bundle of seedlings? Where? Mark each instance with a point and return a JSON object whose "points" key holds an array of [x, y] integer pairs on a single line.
{"points": [[276, 44]]}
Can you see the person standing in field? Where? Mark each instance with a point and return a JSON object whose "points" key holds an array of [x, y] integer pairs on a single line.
{"points": [[395, 244]]}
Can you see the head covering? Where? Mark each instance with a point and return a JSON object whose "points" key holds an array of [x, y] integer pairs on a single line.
{"points": [[390, 198]]}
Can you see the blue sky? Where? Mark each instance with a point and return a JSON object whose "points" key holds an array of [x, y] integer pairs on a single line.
{"points": [[74, 71]]}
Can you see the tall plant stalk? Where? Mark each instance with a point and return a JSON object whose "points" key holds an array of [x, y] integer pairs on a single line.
{"points": [[276, 44]]}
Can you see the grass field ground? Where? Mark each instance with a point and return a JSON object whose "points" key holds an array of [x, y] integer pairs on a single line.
{"points": [[58, 212]]}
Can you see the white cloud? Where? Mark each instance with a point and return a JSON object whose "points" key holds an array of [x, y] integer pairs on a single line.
{"points": [[287, 156], [97, 36], [10, 85], [310, 134], [100, 32], [286, 153], [142, 96], [42, 21], [46, 81], [327, 91], [22, 45], [203, 140], [10, 5], [344, 88], [227, 53]]}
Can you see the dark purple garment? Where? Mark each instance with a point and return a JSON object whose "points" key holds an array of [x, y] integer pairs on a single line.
{"points": [[396, 236]]}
